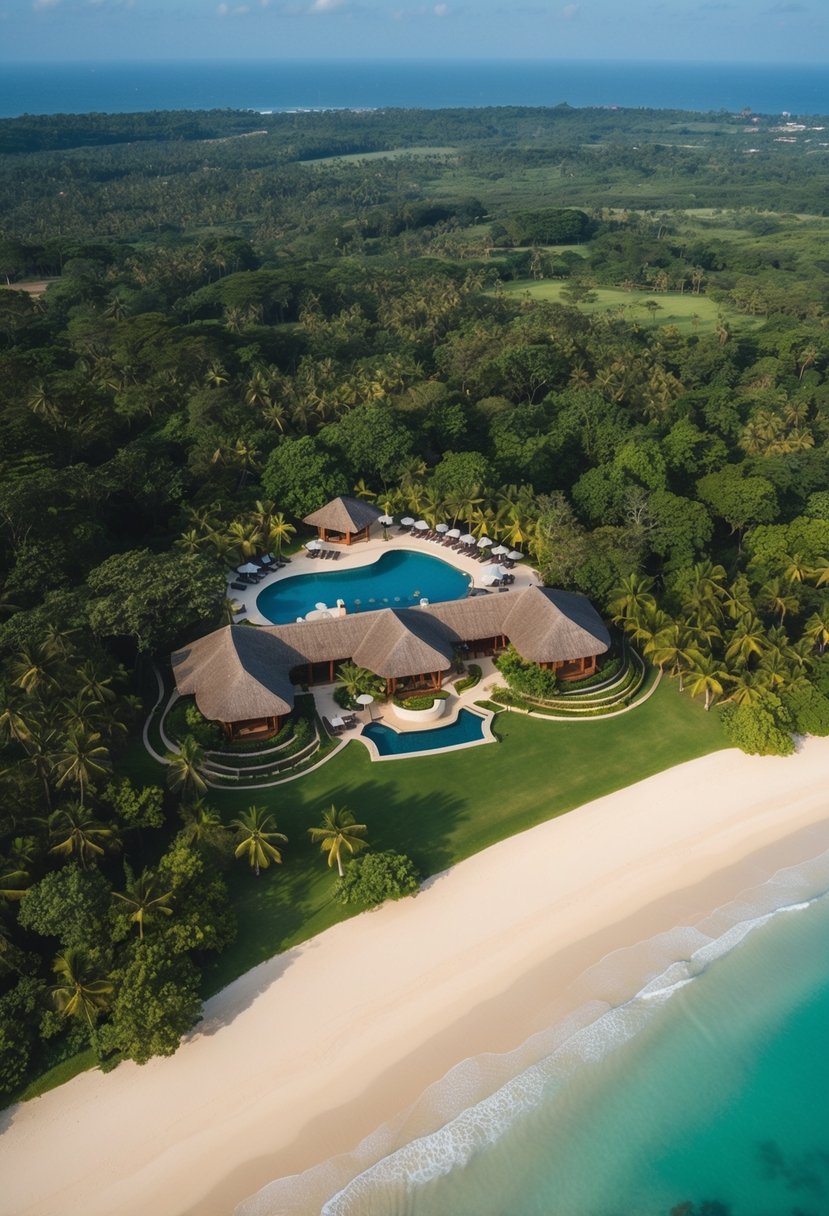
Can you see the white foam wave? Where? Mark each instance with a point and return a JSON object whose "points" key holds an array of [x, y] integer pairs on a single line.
{"points": [[482, 1097]]}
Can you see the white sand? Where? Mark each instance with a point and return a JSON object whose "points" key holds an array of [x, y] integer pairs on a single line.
{"points": [[306, 1054]]}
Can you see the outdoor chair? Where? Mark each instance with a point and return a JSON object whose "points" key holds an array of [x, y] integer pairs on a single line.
{"points": [[335, 555]]}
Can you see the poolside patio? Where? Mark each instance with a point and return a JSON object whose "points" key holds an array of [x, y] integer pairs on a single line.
{"points": [[363, 555]]}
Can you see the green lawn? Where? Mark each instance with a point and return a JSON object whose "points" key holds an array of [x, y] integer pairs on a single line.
{"points": [[689, 313], [389, 154], [440, 809]]}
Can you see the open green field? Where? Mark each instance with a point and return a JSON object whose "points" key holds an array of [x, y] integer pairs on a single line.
{"points": [[440, 809], [689, 313], [391, 154]]}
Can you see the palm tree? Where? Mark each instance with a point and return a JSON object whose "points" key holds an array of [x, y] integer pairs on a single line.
{"points": [[79, 991], [79, 834], [203, 827], [257, 833], [184, 767], [749, 687], [747, 639], [775, 597], [357, 680], [705, 676], [279, 532], [146, 899], [671, 647], [339, 831], [35, 668], [817, 629], [632, 600], [82, 757]]}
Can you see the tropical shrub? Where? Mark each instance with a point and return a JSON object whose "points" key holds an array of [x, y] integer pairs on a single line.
{"points": [[470, 679], [372, 879], [762, 729], [526, 678], [420, 700], [809, 709]]}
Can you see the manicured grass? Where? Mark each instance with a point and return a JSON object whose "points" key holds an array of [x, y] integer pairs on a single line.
{"points": [[689, 313], [58, 1075], [440, 809]]}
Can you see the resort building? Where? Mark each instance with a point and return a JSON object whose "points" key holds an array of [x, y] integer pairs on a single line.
{"points": [[244, 677], [343, 521]]}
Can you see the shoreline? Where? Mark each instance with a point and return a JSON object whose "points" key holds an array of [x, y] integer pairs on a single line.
{"points": [[282, 1076]]}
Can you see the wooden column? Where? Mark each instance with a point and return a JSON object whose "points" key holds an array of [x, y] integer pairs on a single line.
{"points": [[330, 671]]}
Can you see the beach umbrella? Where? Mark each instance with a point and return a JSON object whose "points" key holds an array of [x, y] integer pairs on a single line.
{"points": [[385, 521], [366, 700], [455, 533], [515, 556], [484, 542], [421, 525], [248, 568], [495, 569], [489, 579], [407, 521], [500, 550], [468, 539], [442, 528], [313, 544]]}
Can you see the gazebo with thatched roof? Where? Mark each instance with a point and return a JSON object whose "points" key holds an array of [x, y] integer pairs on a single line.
{"points": [[342, 521]]}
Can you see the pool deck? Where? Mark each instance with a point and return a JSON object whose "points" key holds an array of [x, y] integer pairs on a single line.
{"points": [[363, 554]]}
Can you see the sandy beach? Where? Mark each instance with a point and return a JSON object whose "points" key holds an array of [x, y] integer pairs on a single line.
{"points": [[301, 1058]]}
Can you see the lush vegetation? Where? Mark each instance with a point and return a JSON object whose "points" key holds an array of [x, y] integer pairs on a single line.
{"points": [[237, 329]]}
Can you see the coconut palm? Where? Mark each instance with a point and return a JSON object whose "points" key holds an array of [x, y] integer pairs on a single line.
{"points": [[776, 598], [79, 991], [748, 687], [705, 676], [672, 647], [257, 836], [146, 899], [203, 827], [82, 757], [280, 532], [817, 629], [184, 767], [339, 832], [78, 834], [747, 640], [794, 569], [632, 599], [357, 680], [35, 668]]}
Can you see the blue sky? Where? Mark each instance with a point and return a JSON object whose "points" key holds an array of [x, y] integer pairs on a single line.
{"points": [[727, 30]]}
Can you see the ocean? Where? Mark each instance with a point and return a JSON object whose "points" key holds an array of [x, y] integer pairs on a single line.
{"points": [[49, 88], [705, 1094]]}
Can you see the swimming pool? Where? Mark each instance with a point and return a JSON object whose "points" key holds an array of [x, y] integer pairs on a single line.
{"points": [[467, 728], [399, 579]]}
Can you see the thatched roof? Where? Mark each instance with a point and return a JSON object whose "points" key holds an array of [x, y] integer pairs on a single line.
{"points": [[404, 642], [240, 672], [547, 626], [236, 673], [344, 515]]}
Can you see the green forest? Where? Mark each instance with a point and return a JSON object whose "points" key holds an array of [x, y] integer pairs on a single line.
{"points": [[599, 335]]}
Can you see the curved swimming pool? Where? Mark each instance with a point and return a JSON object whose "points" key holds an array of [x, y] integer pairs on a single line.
{"points": [[399, 579], [468, 727]]}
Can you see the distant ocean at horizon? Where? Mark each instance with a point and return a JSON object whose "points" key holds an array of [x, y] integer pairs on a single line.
{"points": [[110, 87]]}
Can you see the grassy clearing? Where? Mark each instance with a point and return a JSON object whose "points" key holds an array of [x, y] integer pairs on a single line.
{"points": [[689, 313], [440, 809], [391, 154]]}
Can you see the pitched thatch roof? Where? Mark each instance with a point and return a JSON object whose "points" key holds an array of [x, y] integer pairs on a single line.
{"points": [[236, 673], [344, 515], [547, 626], [404, 642]]}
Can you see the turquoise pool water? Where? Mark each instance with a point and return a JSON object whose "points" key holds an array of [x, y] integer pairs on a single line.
{"points": [[398, 579], [467, 728]]}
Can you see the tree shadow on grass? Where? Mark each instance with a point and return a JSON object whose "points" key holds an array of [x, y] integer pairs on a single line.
{"points": [[287, 906]]}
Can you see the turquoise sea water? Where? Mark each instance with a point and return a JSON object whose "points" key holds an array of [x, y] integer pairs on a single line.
{"points": [[398, 579], [708, 1088], [467, 728], [107, 87]]}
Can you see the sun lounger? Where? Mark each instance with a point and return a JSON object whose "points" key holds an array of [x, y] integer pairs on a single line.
{"points": [[239, 586]]}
